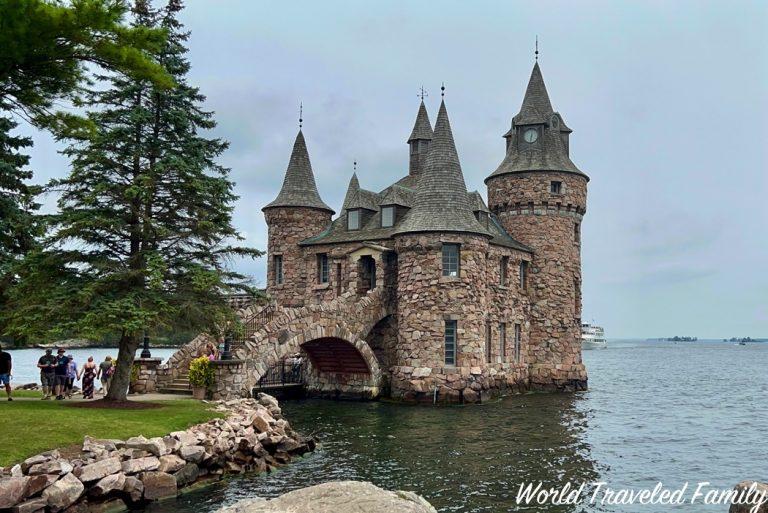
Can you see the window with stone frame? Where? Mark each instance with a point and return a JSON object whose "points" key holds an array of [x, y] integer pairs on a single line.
{"points": [[503, 266], [556, 187], [577, 232], [277, 262], [523, 274], [451, 259], [387, 216], [322, 267], [503, 340], [450, 342], [488, 342], [518, 341], [353, 219]]}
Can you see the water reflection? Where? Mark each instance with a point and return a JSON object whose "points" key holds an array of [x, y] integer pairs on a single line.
{"points": [[462, 459]]}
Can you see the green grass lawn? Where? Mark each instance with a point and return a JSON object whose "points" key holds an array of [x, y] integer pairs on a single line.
{"points": [[33, 426]]}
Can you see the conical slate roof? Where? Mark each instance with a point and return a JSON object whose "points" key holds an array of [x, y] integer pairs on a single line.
{"points": [[352, 188], [550, 152], [299, 188], [422, 128], [536, 106], [441, 203], [357, 197]]}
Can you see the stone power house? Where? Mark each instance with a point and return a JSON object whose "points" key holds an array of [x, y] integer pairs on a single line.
{"points": [[478, 299]]}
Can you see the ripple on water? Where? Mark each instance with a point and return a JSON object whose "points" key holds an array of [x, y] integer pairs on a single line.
{"points": [[654, 412]]}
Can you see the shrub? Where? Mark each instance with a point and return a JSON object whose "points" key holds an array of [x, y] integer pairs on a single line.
{"points": [[201, 372]]}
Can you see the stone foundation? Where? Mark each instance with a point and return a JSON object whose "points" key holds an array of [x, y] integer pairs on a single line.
{"points": [[147, 379]]}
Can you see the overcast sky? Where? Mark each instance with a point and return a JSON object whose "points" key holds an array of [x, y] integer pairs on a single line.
{"points": [[668, 102]]}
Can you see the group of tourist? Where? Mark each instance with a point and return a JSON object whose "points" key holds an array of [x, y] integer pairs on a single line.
{"points": [[59, 373]]}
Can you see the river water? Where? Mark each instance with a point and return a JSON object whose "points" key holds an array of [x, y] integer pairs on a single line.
{"points": [[674, 413]]}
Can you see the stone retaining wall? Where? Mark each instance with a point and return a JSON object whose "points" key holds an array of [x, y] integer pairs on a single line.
{"points": [[254, 437]]}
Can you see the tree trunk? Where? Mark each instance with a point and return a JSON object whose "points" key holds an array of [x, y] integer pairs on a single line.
{"points": [[121, 379]]}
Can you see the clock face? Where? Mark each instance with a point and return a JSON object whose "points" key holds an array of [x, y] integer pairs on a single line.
{"points": [[531, 135]]}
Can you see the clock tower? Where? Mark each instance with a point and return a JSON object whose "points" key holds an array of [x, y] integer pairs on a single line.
{"points": [[540, 197]]}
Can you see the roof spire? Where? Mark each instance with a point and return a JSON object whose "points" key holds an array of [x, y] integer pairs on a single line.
{"points": [[536, 53], [422, 128], [301, 114], [536, 107], [422, 94], [299, 187], [441, 203], [442, 90]]}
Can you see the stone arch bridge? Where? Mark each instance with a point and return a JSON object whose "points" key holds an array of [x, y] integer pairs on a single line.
{"points": [[332, 334]]}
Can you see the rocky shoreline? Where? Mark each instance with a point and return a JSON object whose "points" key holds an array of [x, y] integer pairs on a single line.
{"points": [[253, 437]]}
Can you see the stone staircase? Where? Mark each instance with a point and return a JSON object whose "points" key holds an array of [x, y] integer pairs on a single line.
{"points": [[180, 385]]}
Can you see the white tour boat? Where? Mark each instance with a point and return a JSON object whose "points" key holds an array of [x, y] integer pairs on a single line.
{"points": [[592, 337]]}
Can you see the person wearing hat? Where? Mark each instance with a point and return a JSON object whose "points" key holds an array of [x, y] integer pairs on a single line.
{"points": [[46, 364], [60, 373]]}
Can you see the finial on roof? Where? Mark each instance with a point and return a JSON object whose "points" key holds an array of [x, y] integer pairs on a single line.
{"points": [[536, 53], [423, 93], [301, 114], [354, 165], [442, 90]]}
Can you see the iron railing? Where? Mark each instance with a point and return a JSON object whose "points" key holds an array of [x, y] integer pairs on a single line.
{"points": [[286, 372]]}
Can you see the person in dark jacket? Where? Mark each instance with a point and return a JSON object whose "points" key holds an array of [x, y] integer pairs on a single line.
{"points": [[6, 370]]}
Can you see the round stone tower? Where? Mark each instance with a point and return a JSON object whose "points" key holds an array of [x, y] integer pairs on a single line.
{"points": [[540, 197], [441, 311], [296, 214]]}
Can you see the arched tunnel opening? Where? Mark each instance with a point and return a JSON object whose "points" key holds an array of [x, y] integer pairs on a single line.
{"points": [[335, 355]]}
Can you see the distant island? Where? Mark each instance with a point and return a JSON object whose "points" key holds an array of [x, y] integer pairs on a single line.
{"points": [[681, 339], [744, 339]]}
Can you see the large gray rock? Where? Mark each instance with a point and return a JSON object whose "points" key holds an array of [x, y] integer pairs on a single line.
{"points": [[187, 475], [107, 485], [140, 465], [98, 470], [192, 453], [134, 488], [753, 492], [158, 485], [60, 467], [30, 506], [337, 497], [37, 484], [154, 446], [64, 492], [12, 490], [170, 463]]}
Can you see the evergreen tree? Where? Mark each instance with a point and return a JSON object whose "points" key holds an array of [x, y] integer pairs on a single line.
{"points": [[145, 223], [18, 226], [47, 46]]}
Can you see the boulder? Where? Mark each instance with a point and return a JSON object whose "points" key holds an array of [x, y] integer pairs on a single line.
{"points": [[64, 492], [184, 437], [260, 422], [12, 490], [187, 475], [16, 471], [170, 463], [95, 444], [158, 485], [336, 497], [30, 506], [34, 460], [108, 484], [140, 465], [98, 470], [37, 484], [754, 492], [192, 453], [154, 446], [134, 488], [59, 467]]}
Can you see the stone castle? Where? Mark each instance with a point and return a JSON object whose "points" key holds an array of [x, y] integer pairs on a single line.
{"points": [[471, 299]]}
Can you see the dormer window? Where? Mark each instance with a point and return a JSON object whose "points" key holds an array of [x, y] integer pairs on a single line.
{"points": [[556, 187], [353, 219], [387, 216], [482, 217]]}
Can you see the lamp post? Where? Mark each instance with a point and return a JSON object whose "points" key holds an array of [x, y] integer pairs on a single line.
{"points": [[145, 352], [226, 354]]}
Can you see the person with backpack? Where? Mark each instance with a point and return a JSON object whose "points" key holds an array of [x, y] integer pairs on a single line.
{"points": [[106, 369]]}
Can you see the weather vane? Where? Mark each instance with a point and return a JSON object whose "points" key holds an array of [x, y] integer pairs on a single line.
{"points": [[442, 90], [537, 48], [301, 114], [423, 94]]}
